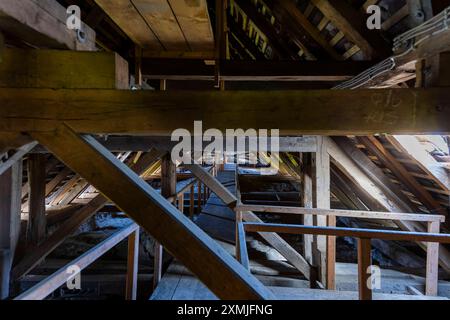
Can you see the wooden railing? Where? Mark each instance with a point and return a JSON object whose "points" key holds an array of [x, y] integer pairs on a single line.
{"points": [[45, 287], [433, 222], [364, 237], [178, 201]]}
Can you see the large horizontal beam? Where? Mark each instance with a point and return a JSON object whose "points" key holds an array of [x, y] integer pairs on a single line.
{"points": [[30, 68], [189, 69], [321, 112], [142, 143]]}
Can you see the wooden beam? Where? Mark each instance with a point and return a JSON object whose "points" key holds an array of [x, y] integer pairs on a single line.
{"points": [[353, 25], [132, 265], [279, 244], [2, 47], [143, 143], [159, 17], [349, 232], [388, 160], [397, 111], [291, 8], [364, 265], [212, 183], [325, 246], [425, 160], [432, 271], [30, 68], [278, 45], [241, 243], [47, 28], [10, 193], [168, 189], [373, 171], [356, 214], [17, 156], [192, 201], [195, 24], [41, 290], [128, 18], [307, 198], [152, 211], [37, 223], [35, 256]]}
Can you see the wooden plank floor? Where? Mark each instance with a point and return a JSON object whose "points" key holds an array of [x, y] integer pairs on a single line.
{"points": [[216, 219], [179, 284]]}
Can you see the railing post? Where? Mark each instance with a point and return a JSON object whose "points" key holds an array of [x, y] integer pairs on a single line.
{"points": [[238, 221], [431, 282], [157, 265], [192, 202], [181, 203], [364, 263], [241, 246], [132, 265], [199, 196], [205, 193]]}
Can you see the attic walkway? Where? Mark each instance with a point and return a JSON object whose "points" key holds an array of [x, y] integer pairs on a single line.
{"points": [[285, 281]]}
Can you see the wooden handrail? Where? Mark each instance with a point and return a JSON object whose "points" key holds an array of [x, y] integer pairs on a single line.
{"points": [[57, 279], [364, 237], [343, 213], [186, 187], [348, 232]]}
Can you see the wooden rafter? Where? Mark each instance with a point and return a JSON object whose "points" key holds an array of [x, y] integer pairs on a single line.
{"points": [[353, 26], [375, 146], [35, 256], [298, 27], [151, 210]]}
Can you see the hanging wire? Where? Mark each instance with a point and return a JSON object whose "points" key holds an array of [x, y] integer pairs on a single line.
{"points": [[409, 42]]}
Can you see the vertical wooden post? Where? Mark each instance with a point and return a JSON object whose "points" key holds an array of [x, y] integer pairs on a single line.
{"points": [[307, 198], [132, 266], [364, 263], [138, 66], [221, 40], [199, 196], [5, 269], [2, 47], [181, 203], [157, 265], [37, 221], [205, 193], [325, 246], [10, 199], [431, 285], [168, 189], [238, 221], [192, 202]]}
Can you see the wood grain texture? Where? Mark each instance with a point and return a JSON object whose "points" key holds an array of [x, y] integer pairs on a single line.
{"points": [[218, 270], [160, 18], [322, 112], [128, 18], [194, 20]]}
